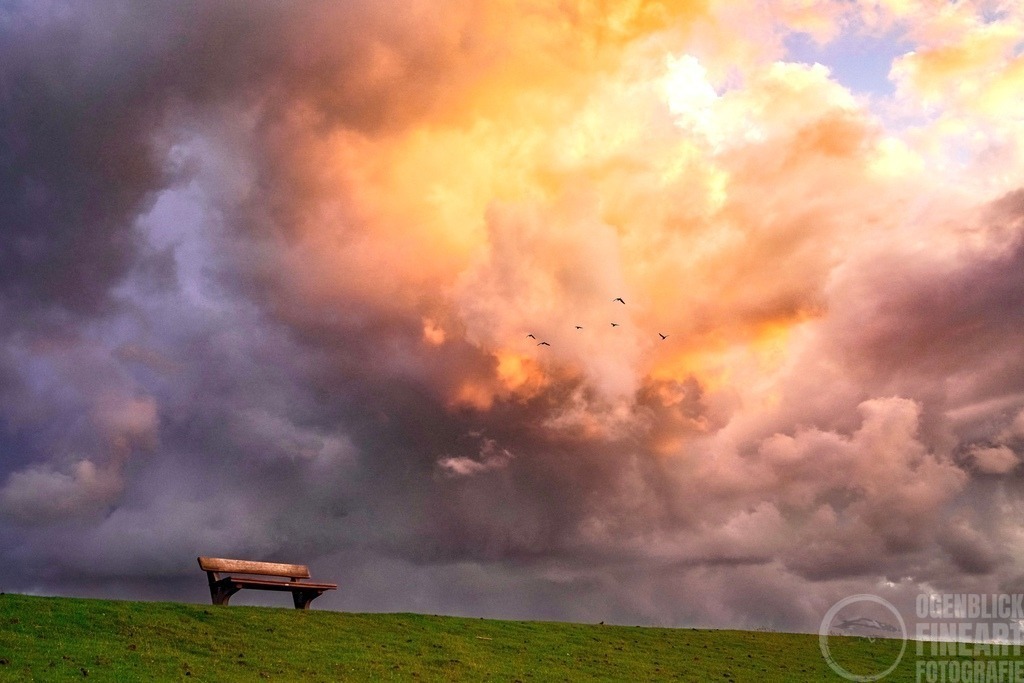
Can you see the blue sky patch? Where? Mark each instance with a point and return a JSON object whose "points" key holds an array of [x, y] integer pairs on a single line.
{"points": [[858, 61]]}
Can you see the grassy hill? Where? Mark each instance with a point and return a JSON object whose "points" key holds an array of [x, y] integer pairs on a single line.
{"points": [[63, 638]]}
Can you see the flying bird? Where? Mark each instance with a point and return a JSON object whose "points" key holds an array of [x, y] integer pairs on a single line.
{"points": [[619, 299], [531, 336], [543, 344], [663, 336], [579, 327], [615, 324]]}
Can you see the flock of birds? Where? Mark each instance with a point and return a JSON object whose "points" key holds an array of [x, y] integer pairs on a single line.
{"points": [[618, 299]]}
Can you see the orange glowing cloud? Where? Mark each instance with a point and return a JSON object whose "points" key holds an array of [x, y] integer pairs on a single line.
{"points": [[577, 155], [977, 67]]}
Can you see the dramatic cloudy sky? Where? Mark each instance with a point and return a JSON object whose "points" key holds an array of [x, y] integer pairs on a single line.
{"points": [[267, 272]]}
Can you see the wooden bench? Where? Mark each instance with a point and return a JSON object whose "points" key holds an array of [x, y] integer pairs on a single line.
{"points": [[222, 588]]}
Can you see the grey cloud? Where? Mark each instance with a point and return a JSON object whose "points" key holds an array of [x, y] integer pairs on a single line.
{"points": [[957, 317], [972, 552], [92, 92], [76, 162]]}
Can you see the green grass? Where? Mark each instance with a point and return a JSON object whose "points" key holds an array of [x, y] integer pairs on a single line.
{"points": [[46, 639]]}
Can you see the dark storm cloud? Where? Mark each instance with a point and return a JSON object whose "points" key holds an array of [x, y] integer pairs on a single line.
{"points": [[76, 163], [94, 97], [908, 317], [88, 89]]}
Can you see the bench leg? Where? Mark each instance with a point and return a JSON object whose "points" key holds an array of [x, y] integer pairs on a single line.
{"points": [[220, 593], [302, 598]]}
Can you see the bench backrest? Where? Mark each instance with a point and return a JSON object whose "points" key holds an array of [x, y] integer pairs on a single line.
{"points": [[221, 564]]}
